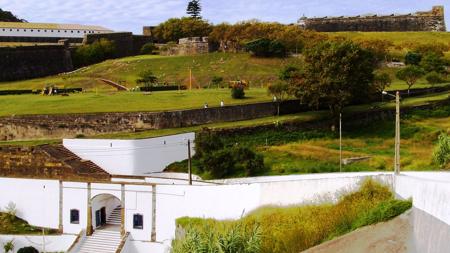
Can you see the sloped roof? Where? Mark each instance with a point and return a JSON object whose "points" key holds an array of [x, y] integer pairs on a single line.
{"points": [[50, 26], [48, 162]]}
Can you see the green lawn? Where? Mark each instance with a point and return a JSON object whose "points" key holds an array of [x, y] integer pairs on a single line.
{"points": [[124, 101], [399, 38]]}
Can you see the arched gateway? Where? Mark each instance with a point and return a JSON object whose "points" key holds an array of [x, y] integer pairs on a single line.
{"points": [[106, 212]]}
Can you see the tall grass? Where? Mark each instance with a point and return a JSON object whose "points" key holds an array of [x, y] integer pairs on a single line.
{"points": [[290, 229]]}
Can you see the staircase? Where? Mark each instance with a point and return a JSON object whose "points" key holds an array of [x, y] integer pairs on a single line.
{"points": [[101, 241], [115, 217]]}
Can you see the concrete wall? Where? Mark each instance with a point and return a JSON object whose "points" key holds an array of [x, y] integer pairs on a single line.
{"points": [[37, 201], [33, 61], [57, 243], [431, 215], [133, 157]]}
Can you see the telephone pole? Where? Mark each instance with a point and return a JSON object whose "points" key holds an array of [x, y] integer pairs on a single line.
{"points": [[397, 133], [189, 162], [340, 142]]}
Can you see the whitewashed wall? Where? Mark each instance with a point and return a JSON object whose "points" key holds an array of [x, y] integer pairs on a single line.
{"points": [[233, 201], [35, 204], [57, 243], [430, 192], [74, 197], [138, 200], [133, 157]]}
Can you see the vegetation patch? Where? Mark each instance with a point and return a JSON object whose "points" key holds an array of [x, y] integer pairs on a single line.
{"points": [[290, 229], [12, 225]]}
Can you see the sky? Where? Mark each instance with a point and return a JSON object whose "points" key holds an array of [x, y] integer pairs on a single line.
{"points": [[132, 15]]}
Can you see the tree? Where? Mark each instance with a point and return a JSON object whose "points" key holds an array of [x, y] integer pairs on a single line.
{"points": [[177, 28], [194, 9], [441, 153], [413, 58], [28, 250], [147, 78], [94, 53], [217, 81], [433, 62], [148, 48], [381, 81], [279, 90], [238, 91], [434, 78], [379, 48], [7, 16], [289, 73], [266, 48], [410, 75], [335, 73]]}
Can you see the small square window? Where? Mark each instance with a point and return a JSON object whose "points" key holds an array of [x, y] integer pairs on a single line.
{"points": [[138, 221], [74, 216]]}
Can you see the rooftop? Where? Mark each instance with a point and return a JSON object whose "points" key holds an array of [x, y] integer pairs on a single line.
{"points": [[51, 26]]}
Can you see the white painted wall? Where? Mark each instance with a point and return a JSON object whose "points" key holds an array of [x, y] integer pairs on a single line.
{"points": [[35, 204], [138, 200], [430, 192], [233, 201], [132, 246], [74, 197], [57, 243], [133, 157]]}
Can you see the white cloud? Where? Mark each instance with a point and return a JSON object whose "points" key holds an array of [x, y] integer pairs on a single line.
{"points": [[131, 15]]}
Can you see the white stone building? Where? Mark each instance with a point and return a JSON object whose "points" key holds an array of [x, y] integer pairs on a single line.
{"points": [[17, 31]]}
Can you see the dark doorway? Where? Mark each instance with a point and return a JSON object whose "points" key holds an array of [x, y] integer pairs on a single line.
{"points": [[100, 217]]}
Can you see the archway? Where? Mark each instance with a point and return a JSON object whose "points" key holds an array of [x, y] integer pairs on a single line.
{"points": [[106, 212]]}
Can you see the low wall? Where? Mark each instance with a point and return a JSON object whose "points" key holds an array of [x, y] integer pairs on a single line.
{"points": [[71, 125], [28, 62], [56, 243]]}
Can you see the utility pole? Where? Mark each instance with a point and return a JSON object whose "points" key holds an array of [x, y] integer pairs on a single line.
{"points": [[340, 142], [189, 162], [43, 229], [397, 133], [190, 78]]}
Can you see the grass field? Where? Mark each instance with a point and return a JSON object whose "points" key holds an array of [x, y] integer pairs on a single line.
{"points": [[123, 101], [398, 38]]}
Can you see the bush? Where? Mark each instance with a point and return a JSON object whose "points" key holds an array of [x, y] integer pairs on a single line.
{"points": [[94, 53], [28, 250], [266, 48], [413, 58], [238, 92], [217, 81], [147, 78], [441, 153], [148, 48], [434, 78], [383, 212]]}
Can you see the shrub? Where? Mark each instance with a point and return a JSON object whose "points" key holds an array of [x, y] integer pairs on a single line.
{"points": [[433, 62], [383, 212], [434, 78], [238, 92], [148, 48], [8, 246], [266, 48], [28, 250], [441, 153], [413, 58], [147, 78], [217, 81], [94, 53]]}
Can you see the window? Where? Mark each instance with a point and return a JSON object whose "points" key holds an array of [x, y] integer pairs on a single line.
{"points": [[74, 216], [78, 32], [39, 31], [138, 221]]}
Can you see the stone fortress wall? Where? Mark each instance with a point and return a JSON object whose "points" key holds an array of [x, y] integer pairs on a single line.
{"points": [[433, 20], [34, 61]]}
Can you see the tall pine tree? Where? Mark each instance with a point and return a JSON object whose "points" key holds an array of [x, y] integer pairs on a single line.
{"points": [[194, 9]]}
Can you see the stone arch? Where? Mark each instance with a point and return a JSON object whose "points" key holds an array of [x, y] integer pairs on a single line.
{"points": [[106, 211]]}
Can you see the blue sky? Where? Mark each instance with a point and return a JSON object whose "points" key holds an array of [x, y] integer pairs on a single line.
{"points": [[131, 15]]}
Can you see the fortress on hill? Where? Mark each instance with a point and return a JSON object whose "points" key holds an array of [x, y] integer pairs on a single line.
{"points": [[433, 20]]}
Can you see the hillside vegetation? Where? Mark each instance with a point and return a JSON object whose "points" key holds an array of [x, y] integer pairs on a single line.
{"points": [[290, 229]]}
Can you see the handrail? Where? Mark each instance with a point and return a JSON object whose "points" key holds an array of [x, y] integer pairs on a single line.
{"points": [[77, 240], [122, 243]]}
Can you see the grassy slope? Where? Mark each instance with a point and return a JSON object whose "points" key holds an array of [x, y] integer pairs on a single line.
{"points": [[170, 69], [16, 226], [294, 228]]}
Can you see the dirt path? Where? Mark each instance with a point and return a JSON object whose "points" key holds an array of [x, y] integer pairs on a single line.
{"points": [[388, 237]]}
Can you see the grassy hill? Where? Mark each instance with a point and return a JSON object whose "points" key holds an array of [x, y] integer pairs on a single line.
{"points": [[170, 69]]}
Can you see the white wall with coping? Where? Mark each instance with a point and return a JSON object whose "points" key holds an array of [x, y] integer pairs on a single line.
{"points": [[430, 193], [133, 157], [74, 197], [138, 200], [232, 201], [56, 243], [37, 201]]}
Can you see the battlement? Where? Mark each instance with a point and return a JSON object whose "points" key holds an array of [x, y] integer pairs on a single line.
{"points": [[433, 20]]}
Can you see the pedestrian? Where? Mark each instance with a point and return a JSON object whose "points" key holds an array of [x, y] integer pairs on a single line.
{"points": [[222, 104], [205, 105]]}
